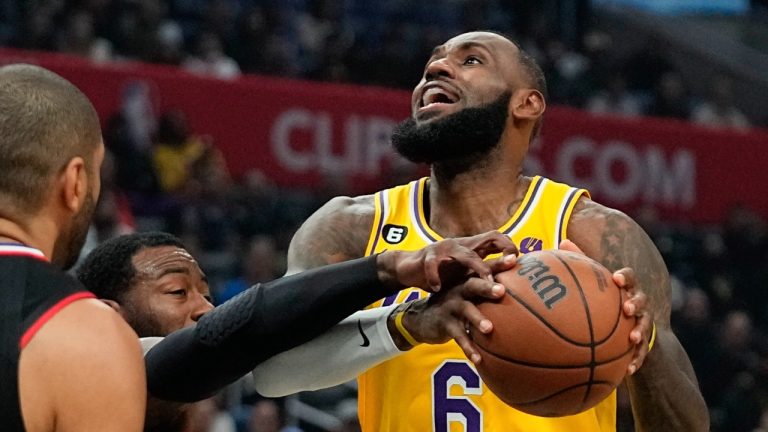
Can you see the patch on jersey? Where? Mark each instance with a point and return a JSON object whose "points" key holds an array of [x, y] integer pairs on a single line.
{"points": [[394, 234], [530, 244]]}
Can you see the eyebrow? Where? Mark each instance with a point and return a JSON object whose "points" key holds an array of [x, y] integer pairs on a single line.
{"points": [[462, 47], [171, 270]]}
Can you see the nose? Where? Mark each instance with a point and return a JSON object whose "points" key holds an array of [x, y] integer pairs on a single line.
{"points": [[201, 308], [438, 68]]}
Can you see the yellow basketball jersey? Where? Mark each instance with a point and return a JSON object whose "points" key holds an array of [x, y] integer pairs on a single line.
{"points": [[435, 387]]}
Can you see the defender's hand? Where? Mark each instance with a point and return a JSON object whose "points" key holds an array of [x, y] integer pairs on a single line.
{"points": [[446, 315], [444, 263]]}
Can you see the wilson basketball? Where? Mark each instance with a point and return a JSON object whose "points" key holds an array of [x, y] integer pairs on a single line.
{"points": [[560, 341]]}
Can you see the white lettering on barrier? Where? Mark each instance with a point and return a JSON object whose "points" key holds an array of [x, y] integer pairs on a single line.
{"points": [[648, 174], [366, 143], [280, 137]]}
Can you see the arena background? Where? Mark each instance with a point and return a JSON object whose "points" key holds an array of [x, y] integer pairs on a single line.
{"points": [[657, 107]]}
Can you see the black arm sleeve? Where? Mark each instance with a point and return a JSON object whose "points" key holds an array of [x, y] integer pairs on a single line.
{"points": [[193, 363]]}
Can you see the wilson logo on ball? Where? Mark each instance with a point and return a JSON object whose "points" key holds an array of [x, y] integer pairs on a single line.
{"points": [[547, 286]]}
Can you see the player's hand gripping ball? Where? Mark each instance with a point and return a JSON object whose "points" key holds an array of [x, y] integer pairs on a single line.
{"points": [[560, 341]]}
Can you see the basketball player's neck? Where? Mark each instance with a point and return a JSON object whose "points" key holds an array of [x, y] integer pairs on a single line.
{"points": [[480, 199], [11, 232]]}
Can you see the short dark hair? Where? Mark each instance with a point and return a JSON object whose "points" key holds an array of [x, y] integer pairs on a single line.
{"points": [[45, 121], [108, 270], [532, 70], [531, 67]]}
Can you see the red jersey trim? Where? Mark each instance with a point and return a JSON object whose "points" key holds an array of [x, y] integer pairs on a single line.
{"points": [[21, 250], [53, 310]]}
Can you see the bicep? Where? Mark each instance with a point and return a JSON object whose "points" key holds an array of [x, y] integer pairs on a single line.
{"points": [[615, 240], [336, 232], [99, 381]]}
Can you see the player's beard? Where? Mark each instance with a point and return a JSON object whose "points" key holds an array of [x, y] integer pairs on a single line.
{"points": [[145, 324], [67, 248], [459, 141]]}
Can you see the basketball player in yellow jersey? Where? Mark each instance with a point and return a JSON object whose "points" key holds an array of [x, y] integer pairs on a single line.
{"points": [[474, 113]]}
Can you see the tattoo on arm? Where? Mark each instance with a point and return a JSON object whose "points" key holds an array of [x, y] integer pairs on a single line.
{"points": [[616, 241], [664, 393], [337, 232]]}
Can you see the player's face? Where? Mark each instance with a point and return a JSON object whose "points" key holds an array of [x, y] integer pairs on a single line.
{"points": [[169, 292], [72, 240], [468, 71]]}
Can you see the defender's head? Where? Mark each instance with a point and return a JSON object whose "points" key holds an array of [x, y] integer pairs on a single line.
{"points": [[150, 279], [51, 147]]}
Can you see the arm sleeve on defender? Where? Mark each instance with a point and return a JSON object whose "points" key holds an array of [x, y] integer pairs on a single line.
{"points": [[356, 344], [228, 342]]}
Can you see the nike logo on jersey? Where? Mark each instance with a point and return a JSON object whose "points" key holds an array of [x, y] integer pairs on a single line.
{"points": [[366, 341]]}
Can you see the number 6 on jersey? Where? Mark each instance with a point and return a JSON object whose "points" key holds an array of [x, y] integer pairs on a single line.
{"points": [[448, 409]]}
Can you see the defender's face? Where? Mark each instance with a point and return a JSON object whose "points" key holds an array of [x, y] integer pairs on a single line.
{"points": [[170, 291], [468, 71]]}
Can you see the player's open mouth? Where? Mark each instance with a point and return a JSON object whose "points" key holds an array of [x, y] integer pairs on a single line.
{"points": [[437, 95]]}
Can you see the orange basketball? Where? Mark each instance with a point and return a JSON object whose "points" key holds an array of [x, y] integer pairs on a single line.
{"points": [[560, 341]]}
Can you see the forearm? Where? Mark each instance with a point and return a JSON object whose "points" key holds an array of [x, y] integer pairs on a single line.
{"points": [[231, 340], [664, 392], [356, 344]]}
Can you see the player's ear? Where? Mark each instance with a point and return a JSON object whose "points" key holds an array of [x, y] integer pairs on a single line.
{"points": [[74, 182], [527, 104]]}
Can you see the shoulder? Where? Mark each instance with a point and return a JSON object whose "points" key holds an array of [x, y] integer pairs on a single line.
{"points": [[337, 232], [616, 241], [589, 215], [85, 332], [97, 362], [597, 229]]}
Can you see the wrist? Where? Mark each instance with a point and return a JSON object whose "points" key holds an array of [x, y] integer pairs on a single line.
{"points": [[399, 330], [386, 268]]}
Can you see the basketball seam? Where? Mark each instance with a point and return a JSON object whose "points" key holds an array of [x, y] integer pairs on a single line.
{"points": [[544, 321], [585, 303], [560, 392], [548, 366], [615, 324]]}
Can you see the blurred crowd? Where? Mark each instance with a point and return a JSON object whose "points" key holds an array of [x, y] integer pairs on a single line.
{"points": [[381, 43], [158, 175]]}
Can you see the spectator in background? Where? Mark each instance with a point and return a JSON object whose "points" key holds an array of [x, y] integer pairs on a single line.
{"points": [[252, 34], [259, 264], [615, 99], [79, 38], [170, 40], [568, 74], [113, 216], [38, 31], [695, 329], [209, 416], [266, 416], [206, 223], [175, 151], [346, 412], [258, 205], [736, 406], [718, 110], [211, 59], [670, 98]]}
